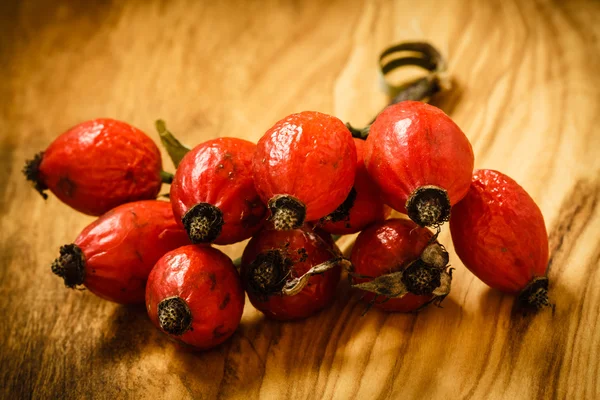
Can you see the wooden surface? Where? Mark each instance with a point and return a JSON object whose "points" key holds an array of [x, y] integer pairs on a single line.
{"points": [[527, 79]]}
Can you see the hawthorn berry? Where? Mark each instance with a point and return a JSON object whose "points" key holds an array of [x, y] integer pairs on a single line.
{"points": [[290, 274], [213, 192], [499, 234], [113, 256], [400, 266], [98, 165], [362, 207], [195, 296], [304, 168], [420, 159]]}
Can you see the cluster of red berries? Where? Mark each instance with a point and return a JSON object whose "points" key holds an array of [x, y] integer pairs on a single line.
{"points": [[305, 179]]}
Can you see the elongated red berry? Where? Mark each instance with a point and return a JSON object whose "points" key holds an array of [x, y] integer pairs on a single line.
{"points": [[361, 209], [195, 296], [304, 168], [499, 234], [98, 165], [213, 192], [399, 266], [420, 159], [290, 274], [113, 256]]}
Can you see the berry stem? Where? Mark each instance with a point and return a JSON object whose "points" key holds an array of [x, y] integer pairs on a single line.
{"points": [[70, 265], [419, 54], [173, 146]]}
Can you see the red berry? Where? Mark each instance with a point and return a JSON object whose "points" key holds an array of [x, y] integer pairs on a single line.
{"points": [[113, 256], [194, 295], [499, 234], [273, 266], [420, 159], [366, 207], [304, 168], [213, 192], [98, 165], [399, 267]]}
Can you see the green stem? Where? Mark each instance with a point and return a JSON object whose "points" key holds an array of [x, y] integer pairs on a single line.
{"points": [[173, 146], [166, 177]]}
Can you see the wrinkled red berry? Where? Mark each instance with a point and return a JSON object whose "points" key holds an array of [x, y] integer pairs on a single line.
{"points": [[113, 256], [278, 272], [195, 296], [213, 192], [420, 159], [499, 234], [366, 206], [399, 267], [304, 168], [98, 165]]}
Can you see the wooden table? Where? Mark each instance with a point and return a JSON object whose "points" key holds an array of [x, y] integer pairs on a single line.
{"points": [[527, 78]]}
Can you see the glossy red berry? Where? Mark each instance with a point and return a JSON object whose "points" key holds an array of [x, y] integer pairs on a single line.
{"points": [[195, 296], [113, 256], [98, 165], [399, 266], [420, 159], [213, 192], [304, 168], [363, 208], [290, 274], [499, 234]]}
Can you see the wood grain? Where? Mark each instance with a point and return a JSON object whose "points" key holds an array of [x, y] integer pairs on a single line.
{"points": [[526, 77]]}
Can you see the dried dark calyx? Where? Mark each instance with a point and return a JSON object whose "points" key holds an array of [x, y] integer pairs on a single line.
{"points": [[535, 296], [287, 212], [342, 213], [174, 316], [203, 223], [421, 278], [70, 265], [267, 274], [435, 255], [428, 206], [32, 173]]}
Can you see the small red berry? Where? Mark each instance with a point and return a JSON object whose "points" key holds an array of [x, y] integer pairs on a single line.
{"points": [[399, 267], [113, 256], [304, 168], [499, 234], [420, 159], [98, 165], [194, 295], [366, 206], [290, 274], [213, 192]]}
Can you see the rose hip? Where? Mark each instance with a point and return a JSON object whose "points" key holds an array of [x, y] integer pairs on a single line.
{"points": [[290, 274], [98, 165], [499, 234], [195, 296], [113, 256], [304, 168], [361, 210], [420, 159], [213, 192], [401, 264]]}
